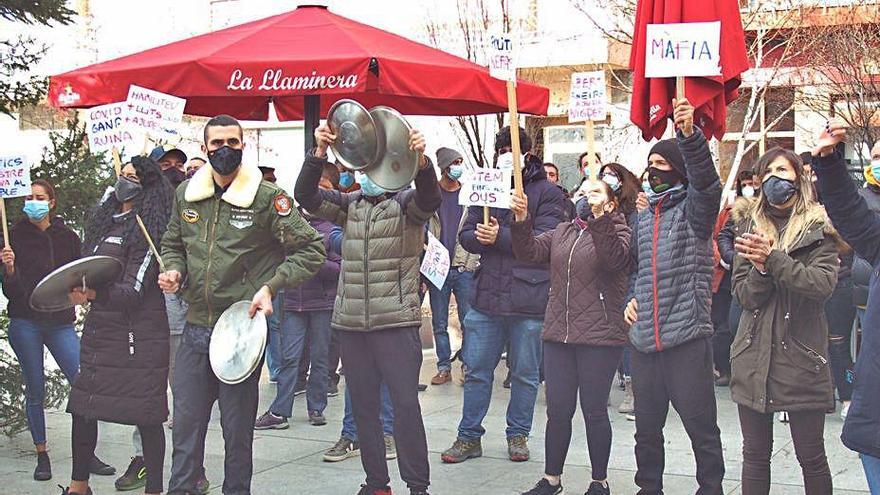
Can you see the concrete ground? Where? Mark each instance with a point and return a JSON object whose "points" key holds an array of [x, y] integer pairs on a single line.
{"points": [[289, 461]]}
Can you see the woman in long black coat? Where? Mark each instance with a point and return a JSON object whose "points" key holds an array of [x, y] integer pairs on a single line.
{"points": [[125, 341]]}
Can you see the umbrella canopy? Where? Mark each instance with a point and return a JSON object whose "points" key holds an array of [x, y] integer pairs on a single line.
{"points": [[305, 52], [652, 98]]}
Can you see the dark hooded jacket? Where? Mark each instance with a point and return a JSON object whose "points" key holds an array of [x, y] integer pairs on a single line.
{"points": [[319, 293], [505, 285]]}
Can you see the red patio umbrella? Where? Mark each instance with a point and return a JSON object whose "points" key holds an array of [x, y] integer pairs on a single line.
{"points": [[292, 59], [652, 98]]}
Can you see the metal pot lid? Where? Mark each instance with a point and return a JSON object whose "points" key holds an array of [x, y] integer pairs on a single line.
{"points": [[397, 166], [51, 294], [237, 343], [357, 143]]}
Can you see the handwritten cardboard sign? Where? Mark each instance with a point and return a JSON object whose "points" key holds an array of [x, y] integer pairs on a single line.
{"points": [[502, 61], [587, 99], [689, 49], [106, 128], [15, 176], [486, 187], [153, 113], [435, 264]]}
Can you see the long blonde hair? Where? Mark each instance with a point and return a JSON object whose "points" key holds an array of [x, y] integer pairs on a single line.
{"points": [[805, 213]]}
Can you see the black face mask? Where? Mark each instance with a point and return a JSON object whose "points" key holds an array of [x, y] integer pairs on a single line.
{"points": [[174, 176], [663, 180], [778, 190], [126, 189], [225, 160], [583, 209]]}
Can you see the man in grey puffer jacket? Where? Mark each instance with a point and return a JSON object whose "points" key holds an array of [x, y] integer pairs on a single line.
{"points": [[670, 313]]}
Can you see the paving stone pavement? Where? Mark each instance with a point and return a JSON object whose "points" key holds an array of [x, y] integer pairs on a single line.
{"points": [[289, 461]]}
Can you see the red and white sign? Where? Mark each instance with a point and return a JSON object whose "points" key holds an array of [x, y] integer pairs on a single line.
{"points": [[153, 113], [587, 99]]}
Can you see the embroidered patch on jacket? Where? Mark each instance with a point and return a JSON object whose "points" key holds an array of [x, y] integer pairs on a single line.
{"points": [[241, 218], [189, 215], [283, 205]]}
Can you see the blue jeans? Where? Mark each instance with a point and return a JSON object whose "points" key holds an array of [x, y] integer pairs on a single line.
{"points": [[460, 284], [294, 327], [486, 338], [273, 344], [872, 472], [349, 428], [27, 338]]}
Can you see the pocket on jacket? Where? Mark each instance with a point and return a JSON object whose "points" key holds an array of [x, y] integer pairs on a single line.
{"points": [[530, 290], [805, 357]]}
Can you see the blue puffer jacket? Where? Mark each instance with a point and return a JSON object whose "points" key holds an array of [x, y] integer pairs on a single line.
{"points": [[319, 293], [505, 285], [860, 227], [673, 285]]}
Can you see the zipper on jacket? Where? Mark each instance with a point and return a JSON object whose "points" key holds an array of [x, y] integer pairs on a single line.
{"points": [[367, 267], [604, 309], [568, 286], [657, 343], [213, 228]]}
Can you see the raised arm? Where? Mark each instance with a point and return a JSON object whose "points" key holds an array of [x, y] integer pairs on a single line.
{"points": [[527, 246], [422, 202], [330, 205], [704, 185]]}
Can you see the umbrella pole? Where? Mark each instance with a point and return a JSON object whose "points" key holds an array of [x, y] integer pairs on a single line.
{"points": [[312, 117]]}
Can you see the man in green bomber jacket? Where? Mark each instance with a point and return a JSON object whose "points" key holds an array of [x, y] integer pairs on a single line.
{"points": [[232, 236]]}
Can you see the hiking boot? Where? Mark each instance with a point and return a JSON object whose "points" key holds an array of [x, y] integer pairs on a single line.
{"points": [[544, 487], [135, 476], [597, 488], [367, 490], [628, 404], [390, 448], [100, 468], [518, 448], [462, 450], [43, 471], [343, 449], [443, 376], [203, 486], [270, 421], [66, 491], [317, 419]]}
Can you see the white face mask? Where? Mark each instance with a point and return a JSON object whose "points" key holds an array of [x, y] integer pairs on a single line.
{"points": [[748, 191], [505, 161]]}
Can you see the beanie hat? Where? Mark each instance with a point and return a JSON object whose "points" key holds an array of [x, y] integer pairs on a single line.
{"points": [[668, 149], [445, 157]]}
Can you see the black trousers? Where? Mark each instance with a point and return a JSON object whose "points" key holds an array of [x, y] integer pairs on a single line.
{"points": [[195, 389], [589, 370], [840, 312], [394, 357], [723, 337], [84, 439], [683, 376], [807, 434]]}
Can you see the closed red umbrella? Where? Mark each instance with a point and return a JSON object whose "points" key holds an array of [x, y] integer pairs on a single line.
{"points": [[307, 52], [652, 98]]}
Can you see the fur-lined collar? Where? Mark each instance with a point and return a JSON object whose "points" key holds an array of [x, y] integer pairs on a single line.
{"points": [[240, 193], [741, 213]]}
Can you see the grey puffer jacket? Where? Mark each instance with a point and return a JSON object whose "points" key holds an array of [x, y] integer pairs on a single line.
{"points": [[381, 250], [673, 285]]}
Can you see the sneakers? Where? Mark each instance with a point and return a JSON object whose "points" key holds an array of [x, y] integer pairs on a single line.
{"points": [[462, 450], [418, 491], [100, 468], [300, 389], [66, 491], [506, 383], [390, 448], [43, 471], [343, 449], [422, 387], [782, 416], [544, 488], [203, 486], [316, 419], [597, 488], [518, 448], [443, 376], [628, 404], [366, 490], [722, 380], [631, 416], [135, 476], [333, 390], [269, 421], [844, 410]]}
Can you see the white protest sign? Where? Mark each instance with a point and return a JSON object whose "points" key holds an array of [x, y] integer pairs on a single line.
{"points": [[157, 114], [435, 264], [486, 187], [15, 176], [502, 60], [689, 49], [107, 129], [587, 100]]}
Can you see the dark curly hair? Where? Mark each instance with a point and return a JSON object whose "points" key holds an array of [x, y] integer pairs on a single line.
{"points": [[153, 205]]}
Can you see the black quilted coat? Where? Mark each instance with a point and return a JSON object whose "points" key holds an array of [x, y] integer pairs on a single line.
{"points": [[589, 270]]}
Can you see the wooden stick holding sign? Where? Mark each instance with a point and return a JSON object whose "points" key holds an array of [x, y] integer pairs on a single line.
{"points": [[117, 161], [150, 242], [514, 138], [502, 65], [15, 181]]}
